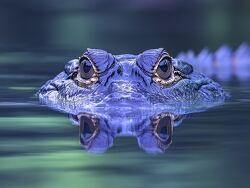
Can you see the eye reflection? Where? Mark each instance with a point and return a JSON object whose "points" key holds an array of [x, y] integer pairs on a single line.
{"points": [[157, 136], [95, 135], [88, 128], [163, 129], [154, 132]]}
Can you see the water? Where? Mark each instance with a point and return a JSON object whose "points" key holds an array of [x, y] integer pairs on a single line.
{"points": [[40, 147]]}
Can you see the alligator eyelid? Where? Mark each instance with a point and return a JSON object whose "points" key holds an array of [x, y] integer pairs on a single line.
{"points": [[106, 71], [165, 55], [143, 70], [85, 55], [162, 56], [97, 74]]}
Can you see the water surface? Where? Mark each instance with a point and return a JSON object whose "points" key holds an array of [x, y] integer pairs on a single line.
{"points": [[40, 148]]}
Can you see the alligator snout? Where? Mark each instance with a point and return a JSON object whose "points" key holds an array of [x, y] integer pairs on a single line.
{"points": [[124, 87], [125, 92]]}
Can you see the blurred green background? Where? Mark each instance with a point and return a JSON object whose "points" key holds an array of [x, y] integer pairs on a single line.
{"points": [[122, 26]]}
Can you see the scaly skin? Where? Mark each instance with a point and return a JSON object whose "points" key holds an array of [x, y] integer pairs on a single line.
{"points": [[130, 80], [224, 64]]}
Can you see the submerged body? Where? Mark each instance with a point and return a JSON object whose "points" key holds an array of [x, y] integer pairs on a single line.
{"points": [[224, 64], [152, 78]]}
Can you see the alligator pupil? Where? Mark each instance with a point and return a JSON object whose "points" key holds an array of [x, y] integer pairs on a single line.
{"points": [[164, 66], [87, 66], [164, 69], [86, 69]]}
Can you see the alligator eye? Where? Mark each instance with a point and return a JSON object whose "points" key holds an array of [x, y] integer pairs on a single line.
{"points": [[163, 72], [164, 69], [86, 74], [86, 69]]}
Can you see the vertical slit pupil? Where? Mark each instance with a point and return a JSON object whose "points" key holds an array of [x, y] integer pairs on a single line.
{"points": [[164, 66], [86, 66], [164, 69]]}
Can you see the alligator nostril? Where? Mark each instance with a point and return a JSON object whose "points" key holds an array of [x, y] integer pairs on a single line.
{"points": [[119, 130]]}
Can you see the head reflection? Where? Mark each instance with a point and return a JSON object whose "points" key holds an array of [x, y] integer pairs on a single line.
{"points": [[153, 133], [156, 137]]}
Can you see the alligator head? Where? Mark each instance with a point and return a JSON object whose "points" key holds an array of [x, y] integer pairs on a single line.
{"points": [[100, 79]]}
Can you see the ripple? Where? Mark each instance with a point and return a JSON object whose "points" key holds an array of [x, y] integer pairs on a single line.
{"points": [[19, 104]]}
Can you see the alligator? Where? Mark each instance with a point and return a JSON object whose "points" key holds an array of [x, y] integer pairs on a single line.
{"points": [[224, 64], [150, 79], [143, 95]]}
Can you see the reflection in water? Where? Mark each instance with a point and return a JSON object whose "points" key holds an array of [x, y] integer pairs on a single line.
{"points": [[154, 132]]}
